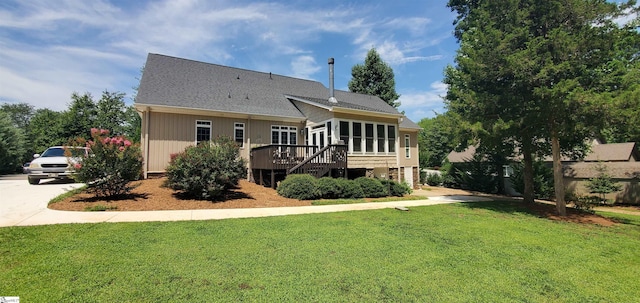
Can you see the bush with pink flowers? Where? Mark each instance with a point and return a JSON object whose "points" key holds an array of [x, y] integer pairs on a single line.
{"points": [[111, 164]]}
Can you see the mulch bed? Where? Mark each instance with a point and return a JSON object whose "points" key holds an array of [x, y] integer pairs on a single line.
{"points": [[152, 195]]}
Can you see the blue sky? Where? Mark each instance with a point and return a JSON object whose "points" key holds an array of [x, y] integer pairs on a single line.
{"points": [[50, 49]]}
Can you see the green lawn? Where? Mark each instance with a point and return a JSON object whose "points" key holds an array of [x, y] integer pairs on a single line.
{"points": [[477, 252]]}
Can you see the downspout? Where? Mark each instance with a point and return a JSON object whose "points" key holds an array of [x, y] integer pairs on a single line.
{"points": [[398, 151], [147, 116], [249, 172]]}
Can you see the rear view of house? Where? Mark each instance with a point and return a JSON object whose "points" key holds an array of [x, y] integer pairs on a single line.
{"points": [[282, 124]]}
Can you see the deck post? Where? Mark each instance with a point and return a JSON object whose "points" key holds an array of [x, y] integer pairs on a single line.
{"points": [[273, 180]]}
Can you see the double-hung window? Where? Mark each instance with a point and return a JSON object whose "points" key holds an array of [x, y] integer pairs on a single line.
{"points": [[344, 132], [357, 137], [391, 135], [238, 134], [407, 146], [203, 131], [368, 137], [381, 138]]}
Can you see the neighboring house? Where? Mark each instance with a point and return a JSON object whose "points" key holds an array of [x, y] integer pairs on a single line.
{"points": [[282, 124], [620, 160]]}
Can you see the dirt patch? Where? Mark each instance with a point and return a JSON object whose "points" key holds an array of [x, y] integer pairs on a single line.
{"points": [[547, 210], [151, 195]]}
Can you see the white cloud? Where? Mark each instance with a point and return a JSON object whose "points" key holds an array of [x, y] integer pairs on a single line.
{"points": [[416, 26], [304, 66], [421, 104], [393, 54], [52, 48]]}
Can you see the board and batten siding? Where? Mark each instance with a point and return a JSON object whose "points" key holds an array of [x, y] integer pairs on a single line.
{"points": [[172, 133]]}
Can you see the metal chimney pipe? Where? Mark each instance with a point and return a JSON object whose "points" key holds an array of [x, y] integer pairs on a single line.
{"points": [[331, 95]]}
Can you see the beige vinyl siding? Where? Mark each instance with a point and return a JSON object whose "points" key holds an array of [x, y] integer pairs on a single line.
{"points": [[314, 114], [413, 149], [261, 131], [371, 161], [172, 133]]}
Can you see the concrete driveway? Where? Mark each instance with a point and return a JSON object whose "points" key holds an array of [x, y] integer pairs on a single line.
{"points": [[20, 201], [22, 204]]}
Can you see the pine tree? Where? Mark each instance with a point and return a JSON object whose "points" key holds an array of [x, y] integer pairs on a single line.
{"points": [[374, 77]]}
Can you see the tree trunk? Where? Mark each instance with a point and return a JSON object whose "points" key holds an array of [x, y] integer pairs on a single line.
{"points": [[558, 183], [528, 194]]}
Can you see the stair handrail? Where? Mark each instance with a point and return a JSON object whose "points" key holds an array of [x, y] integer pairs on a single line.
{"points": [[307, 160]]}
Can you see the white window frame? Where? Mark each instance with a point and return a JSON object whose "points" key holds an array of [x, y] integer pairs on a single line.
{"points": [[407, 146], [238, 126], [386, 146], [395, 137], [203, 124], [284, 129]]}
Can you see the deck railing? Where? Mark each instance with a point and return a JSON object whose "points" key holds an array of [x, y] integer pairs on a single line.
{"points": [[299, 159]]}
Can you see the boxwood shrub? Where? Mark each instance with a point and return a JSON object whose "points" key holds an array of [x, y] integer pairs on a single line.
{"points": [[372, 188], [396, 189], [299, 186], [349, 189], [329, 188]]}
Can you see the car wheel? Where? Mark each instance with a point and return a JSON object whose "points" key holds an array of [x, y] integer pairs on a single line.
{"points": [[33, 181]]}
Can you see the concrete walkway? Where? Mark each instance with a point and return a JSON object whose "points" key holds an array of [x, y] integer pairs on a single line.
{"points": [[25, 205]]}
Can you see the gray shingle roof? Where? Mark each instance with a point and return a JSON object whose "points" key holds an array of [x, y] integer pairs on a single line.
{"points": [[171, 81], [612, 152]]}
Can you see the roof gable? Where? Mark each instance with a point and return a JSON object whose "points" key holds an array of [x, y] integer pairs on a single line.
{"points": [[613, 152]]}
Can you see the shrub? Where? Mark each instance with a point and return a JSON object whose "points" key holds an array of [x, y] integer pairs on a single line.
{"points": [[299, 186], [206, 171], [448, 174], [477, 174], [349, 189], [328, 188], [433, 179], [602, 183], [372, 188], [542, 180], [395, 188], [109, 166], [585, 203]]}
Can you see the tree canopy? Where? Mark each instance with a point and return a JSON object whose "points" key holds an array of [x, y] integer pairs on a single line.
{"points": [[539, 75], [45, 128], [374, 77]]}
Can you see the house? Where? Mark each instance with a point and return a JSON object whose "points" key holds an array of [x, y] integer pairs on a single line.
{"points": [[282, 124], [621, 162]]}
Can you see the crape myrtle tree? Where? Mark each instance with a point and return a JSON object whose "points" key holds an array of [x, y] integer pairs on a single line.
{"points": [[534, 74], [374, 77]]}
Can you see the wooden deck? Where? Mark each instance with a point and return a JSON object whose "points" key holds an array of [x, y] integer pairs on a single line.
{"points": [[272, 163]]}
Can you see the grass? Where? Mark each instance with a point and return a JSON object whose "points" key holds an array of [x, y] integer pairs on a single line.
{"points": [[353, 201], [475, 252], [68, 194], [100, 207]]}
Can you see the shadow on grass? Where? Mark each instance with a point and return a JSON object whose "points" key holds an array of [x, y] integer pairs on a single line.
{"points": [[501, 206], [547, 211], [622, 220]]}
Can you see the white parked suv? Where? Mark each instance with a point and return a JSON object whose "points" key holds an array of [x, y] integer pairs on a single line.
{"points": [[53, 163]]}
